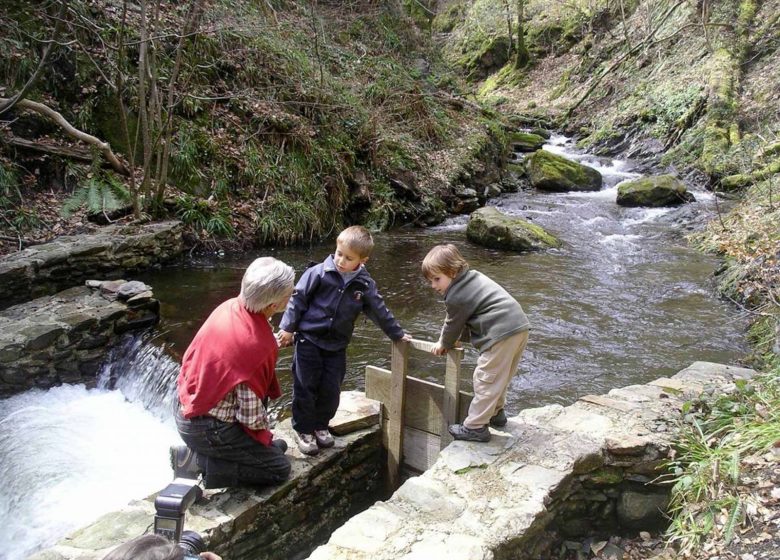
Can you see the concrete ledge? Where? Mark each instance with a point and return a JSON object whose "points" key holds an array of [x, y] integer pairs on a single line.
{"points": [[285, 521], [64, 338], [71, 260], [553, 473]]}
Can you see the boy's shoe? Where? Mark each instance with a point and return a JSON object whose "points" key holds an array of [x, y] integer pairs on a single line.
{"points": [[324, 439], [307, 443], [499, 419], [461, 432], [183, 462], [281, 444]]}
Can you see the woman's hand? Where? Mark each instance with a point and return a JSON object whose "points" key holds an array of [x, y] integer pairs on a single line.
{"points": [[210, 556], [438, 349]]}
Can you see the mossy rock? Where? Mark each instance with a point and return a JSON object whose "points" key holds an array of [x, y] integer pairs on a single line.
{"points": [[551, 172], [490, 228], [654, 192], [448, 19], [543, 132], [489, 57], [526, 141]]}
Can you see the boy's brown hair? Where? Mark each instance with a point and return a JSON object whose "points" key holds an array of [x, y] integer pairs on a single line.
{"points": [[444, 259], [358, 239]]}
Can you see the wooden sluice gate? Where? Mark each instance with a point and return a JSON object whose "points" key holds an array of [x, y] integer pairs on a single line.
{"points": [[415, 412]]}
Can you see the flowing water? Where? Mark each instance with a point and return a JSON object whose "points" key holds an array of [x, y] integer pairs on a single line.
{"points": [[623, 301]]}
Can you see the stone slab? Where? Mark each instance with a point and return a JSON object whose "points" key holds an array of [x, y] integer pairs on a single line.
{"points": [[356, 412]]}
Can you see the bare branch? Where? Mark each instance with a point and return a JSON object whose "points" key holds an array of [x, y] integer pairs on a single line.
{"points": [[8, 104], [82, 136]]}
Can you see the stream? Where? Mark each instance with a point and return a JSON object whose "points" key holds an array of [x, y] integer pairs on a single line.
{"points": [[624, 301]]}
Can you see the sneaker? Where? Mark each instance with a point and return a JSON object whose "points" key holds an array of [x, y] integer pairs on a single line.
{"points": [[307, 443], [324, 439], [281, 444], [183, 462], [499, 419], [461, 432]]}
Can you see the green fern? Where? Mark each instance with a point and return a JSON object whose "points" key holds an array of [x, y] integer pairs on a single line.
{"points": [[97, 194]]}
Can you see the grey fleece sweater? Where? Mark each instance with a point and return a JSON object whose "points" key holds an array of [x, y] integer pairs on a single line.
{"points": [[488, 311]]}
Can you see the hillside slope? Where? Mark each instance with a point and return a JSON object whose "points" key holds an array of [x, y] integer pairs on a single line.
{"points": [[267, 122]]}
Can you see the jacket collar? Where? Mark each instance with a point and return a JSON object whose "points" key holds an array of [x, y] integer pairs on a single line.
{"points": [[457, 279], [330, 266]]}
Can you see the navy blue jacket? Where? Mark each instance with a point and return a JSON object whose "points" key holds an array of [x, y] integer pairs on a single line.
{"points": [[323, 310]]}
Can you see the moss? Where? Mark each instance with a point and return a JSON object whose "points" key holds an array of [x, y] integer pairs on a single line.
{"points": [[446, 20], [526, 142], [552, 172], [507, 76], [653, 191]]}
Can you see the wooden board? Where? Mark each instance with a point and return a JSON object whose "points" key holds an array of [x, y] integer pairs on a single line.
{"points": [[423, 399]]}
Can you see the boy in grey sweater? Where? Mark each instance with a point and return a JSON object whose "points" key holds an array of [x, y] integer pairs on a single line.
{"points": [[498, 328]]}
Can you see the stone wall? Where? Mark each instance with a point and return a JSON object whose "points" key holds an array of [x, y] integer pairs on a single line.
{"points": [[551, 474], [64, 338], [71, 260], [283, 522]]}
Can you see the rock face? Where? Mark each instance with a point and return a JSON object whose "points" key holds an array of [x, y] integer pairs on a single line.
{"points": [[71, 260], [490, 228], [552, 473], [64, 338], [550, 172], [661, 190]]}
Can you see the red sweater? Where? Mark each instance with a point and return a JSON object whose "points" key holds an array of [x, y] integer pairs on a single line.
{"points": [[233, 346]]}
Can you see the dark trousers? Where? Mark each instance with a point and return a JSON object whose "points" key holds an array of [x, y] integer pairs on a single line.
{"points": [[317, 378], [228, 456]]}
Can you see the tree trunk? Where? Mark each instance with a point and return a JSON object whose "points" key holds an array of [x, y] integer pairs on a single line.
{"points": [[522, 56]]}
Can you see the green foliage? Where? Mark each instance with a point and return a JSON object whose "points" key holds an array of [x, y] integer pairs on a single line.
{"points": [[666, 107], [205, 216], [12, 211], [718, 430], [98, 192], [421, 12], [301, 208], [193, 151], [447, 19], [9, 183]]}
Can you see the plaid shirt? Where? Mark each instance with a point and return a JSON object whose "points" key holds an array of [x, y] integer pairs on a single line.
{"points": [[242, 405]]}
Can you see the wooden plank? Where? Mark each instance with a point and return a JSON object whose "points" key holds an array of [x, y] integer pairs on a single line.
{"points": [[451, 394], [423, 399], [424, 345], [399, 361], [421, 449]]}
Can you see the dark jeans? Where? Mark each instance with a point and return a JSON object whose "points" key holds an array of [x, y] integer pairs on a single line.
{"points": [[229, 456], [317, 378]]}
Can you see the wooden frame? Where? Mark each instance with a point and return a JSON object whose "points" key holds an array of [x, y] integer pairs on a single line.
{"points": [[416, 413]]}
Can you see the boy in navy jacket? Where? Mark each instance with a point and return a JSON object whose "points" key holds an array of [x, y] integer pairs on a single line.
{"points": [[320, 319]]}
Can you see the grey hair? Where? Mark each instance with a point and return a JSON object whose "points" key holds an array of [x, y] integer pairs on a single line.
{"points": [[267, 280]]}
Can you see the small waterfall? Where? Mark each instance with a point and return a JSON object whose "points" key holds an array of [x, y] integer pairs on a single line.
{"points": [[143, 372], [71, 454]]}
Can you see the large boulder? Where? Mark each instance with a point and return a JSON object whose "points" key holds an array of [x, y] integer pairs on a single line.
{"points": [[551, 172], [660, 190], [526, 141], [490, 228]]}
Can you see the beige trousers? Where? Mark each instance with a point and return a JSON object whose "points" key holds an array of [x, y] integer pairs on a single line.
{"points": [[495, 368]]}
